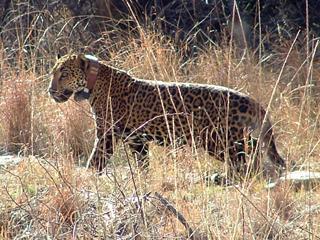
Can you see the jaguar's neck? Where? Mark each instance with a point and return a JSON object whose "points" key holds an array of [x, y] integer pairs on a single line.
{"points": [[110, 82]]}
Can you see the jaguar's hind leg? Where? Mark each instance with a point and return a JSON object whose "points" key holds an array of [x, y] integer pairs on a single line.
{"points": [[248, 156]]}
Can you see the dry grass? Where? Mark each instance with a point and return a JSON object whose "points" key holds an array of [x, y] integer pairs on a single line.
{"points": [[52, 195]]}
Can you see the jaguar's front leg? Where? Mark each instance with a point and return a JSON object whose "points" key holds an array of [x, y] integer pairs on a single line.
{"points": [[102, 151]]}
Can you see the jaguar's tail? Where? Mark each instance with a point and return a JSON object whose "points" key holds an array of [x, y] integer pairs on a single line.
{"points": [[267, 138]]}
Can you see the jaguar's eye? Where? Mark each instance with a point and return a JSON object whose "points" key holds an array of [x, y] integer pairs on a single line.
{"points": [[64, 74]]}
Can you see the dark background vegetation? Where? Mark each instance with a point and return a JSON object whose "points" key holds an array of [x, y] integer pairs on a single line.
{"points": [[188, 22]]}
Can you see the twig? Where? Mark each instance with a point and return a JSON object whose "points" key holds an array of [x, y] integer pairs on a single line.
{"points": [[175, 212], [135, 188]]}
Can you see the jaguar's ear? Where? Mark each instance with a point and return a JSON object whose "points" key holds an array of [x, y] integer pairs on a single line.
{"points": [[83, 62]]}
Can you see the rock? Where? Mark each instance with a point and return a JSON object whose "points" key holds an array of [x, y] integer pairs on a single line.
{"points": [[299, 179], [9, 160]]}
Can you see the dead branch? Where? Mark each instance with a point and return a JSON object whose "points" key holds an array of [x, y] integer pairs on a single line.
{"points": [[175, 212]]}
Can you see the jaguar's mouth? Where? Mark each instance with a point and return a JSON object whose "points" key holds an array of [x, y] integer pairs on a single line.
{"points": [[62, 97], [81, 95]]}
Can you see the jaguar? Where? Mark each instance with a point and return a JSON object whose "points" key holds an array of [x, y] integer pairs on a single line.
{"points": [[219, 119]]}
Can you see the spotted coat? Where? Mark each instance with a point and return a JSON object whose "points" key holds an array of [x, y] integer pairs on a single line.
{"points": [[137, 111]]}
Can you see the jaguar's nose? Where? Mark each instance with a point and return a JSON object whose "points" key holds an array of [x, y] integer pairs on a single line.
{"points": [[51, 91]]}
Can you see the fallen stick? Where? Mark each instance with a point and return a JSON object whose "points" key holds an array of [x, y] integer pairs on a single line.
{"points": [[175, 212]]}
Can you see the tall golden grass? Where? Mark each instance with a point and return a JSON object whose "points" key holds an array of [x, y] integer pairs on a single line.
{"points": [[45, 194]]}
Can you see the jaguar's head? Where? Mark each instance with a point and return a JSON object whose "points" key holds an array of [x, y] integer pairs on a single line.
{"points": [[69, 75]]}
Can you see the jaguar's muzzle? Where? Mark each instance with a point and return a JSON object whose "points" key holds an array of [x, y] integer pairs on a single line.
{"points": [[62, 97]]}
